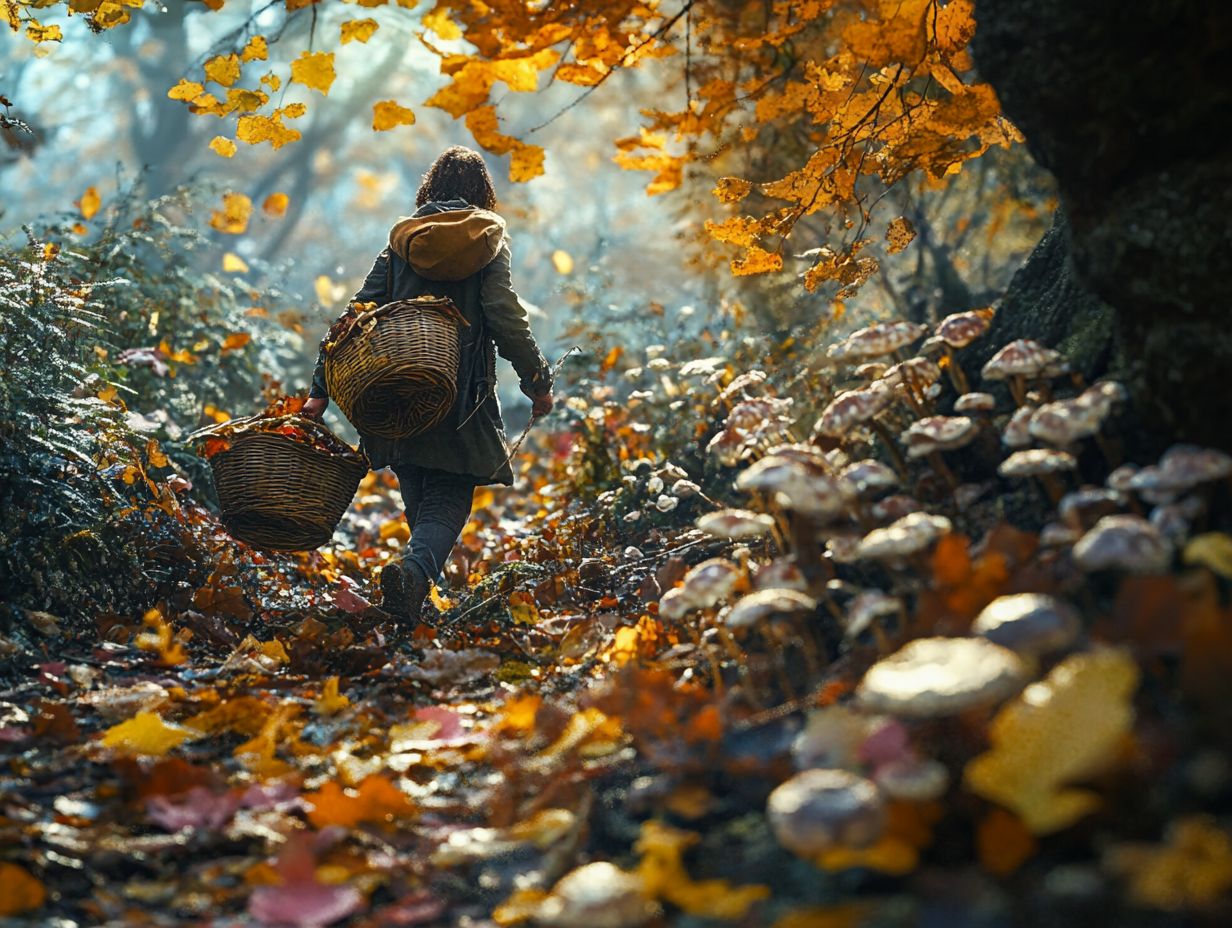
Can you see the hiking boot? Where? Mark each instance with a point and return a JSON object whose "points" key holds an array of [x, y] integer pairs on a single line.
{"points": [[403, 591]]}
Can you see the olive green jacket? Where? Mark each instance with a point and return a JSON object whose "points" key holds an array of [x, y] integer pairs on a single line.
{"points": [[471, 438]]}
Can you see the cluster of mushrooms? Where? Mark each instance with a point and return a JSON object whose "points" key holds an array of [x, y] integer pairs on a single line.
{"points": [[854, 758]]}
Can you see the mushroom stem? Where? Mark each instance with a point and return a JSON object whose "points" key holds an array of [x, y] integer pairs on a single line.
{"points": [[1052, 487], [1018, 389], [938, 464], [957, 376], [896, 457], [1111, 456]]}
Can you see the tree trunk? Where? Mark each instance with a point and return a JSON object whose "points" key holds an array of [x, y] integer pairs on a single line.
{"points": [[1126, 105]]}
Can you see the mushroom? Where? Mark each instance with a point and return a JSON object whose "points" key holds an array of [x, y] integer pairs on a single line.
{"points": [[933, 677], [863, 612], [1043, 463], [830, 738], [1023, 361], [1031, 624], [1123, 542], [1017, 431], [904, 537], [867, 478], [930, 436], [975, 403], [877, 340], [780, 574], [764, 604], [912, 779], [1082, 508], [795, 485], [817, 810], [1064, 422], [596, 895], [855, 406], [958, 331], [913, 377], [736, 524], [703, 587]]}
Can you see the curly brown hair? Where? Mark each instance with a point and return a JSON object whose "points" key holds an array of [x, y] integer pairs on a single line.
{"points": [[458, 172]]}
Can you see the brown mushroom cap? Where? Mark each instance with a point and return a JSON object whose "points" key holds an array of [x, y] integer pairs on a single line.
{"points": [[764, 604], [1023, 358], [876, 340], [932, 677], [820, 809], [1123, 542], [938, 433], [736, 523], [915, 373], [868, 477], [975, 402], [1017, 432], [596, 895], [961, 329], [783, 573], [803, 487], [1036, 461], [865, 608], [1064, 422], [906, 536], [848, 409], [1029, 623], [912, 779]]}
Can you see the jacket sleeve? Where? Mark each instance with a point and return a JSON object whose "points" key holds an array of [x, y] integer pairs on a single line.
{"points": [[509, 326], [374, 290]]}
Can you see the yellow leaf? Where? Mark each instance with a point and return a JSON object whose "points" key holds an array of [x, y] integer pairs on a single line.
{"points": [[50, 251], [273, 649], [315, 70], [756, 260], [19, 891], [223, 69], [330, 700], [146, 733], [562, 261], [243, 100], [257, 49], [232, 219], [899, 234], [36, 32], [233, 263], [1058, 731], [387, 113], [439, 22], [221, 145], [276, 204], [358, 30], [1213, 551], [1192, 869], [89, 203], [272, 81], [526, 163], [255, 129], [522, 608], [664, 876], [108, 394], [154, 454]]}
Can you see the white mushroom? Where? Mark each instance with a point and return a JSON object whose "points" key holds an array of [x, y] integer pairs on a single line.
{"points": [[597, 895], [932, 677], [820, 809], [757, 607], [1029, 623], [736, 524], [906, 536], [1123, 542]]}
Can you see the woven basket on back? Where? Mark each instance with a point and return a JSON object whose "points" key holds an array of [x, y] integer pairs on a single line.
{"points": [[394, 371], [280, 493]]}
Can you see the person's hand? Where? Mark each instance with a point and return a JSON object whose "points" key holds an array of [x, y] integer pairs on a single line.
{"points": [[540, 403], [314, 407]]}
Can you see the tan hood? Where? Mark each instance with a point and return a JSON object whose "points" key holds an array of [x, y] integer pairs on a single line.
{"points": [[449, 245]]}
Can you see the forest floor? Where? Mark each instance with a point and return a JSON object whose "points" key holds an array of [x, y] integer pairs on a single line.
{"points": [[255, 751]]}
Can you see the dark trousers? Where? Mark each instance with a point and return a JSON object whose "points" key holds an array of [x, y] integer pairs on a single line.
{"points": [[438, 504]]}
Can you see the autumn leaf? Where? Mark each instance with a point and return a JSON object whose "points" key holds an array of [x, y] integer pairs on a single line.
{"points": [[232, 219], [315, 70], [234, 264], [223, 69], [255, 129], [664, 876], [1057, 731], [330, 701], [147, 733], [36, 33], [526, 163], [257, 49], [276, 204], [899, 235], [376, 799], [562, 261], [19, 891], [89, 203], [1191, 869], [234, 342], [221, 145], [358, 30], [387, 113]]}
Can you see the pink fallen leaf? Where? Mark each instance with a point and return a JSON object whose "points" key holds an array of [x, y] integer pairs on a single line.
{"points": [[346, 599], [300, 900], [887, 743], [198, 809], [417, 908]]}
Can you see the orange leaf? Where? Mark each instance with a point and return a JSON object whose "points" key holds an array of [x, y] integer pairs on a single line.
{"points": [[19, 891], [375, 800], [235, 341], [1003, 842]]}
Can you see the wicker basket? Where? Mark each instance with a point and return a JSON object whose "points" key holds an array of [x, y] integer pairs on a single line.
{"points": [[394, 371], [280, 494]]}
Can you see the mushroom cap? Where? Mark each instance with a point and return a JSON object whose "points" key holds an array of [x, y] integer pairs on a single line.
{"points": [[757, 607], [799, 485], [868, 476], [783, 573], [913, 779], [808, 455], [1081, 508], [702, 367], [710, 582], [932, 677], [831, 738], [938, 433], [961, 329], [1122, 478], [1123, 542], [1064, 422], [870, 371], [817, 810], [916, 373], [912, 533], [736, 523], [1017, 432], [1183, 467], [1023, 358], [1029, 623], [876, 340], [596, 895], [1035, 461], [892, 508], [865, 608], [849, 408], [975, 402], [741, 384]]}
